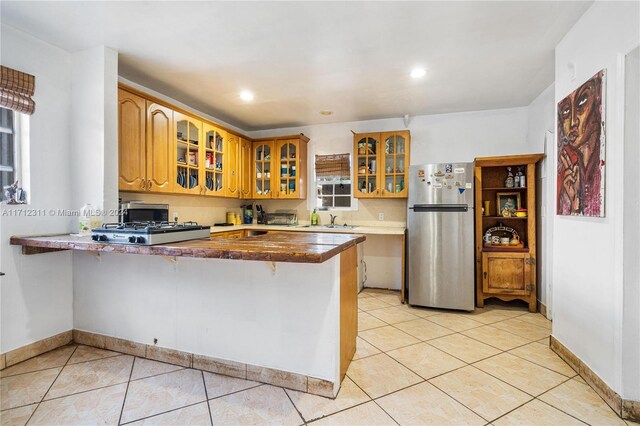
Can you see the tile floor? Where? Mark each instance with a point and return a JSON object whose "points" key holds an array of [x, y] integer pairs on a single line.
{"points": [[412, 367]]}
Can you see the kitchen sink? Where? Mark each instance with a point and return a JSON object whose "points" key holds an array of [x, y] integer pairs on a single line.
{"points": [[340, 226]]}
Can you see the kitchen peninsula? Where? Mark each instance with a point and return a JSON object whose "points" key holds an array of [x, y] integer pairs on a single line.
{"points": [[278, 308]]}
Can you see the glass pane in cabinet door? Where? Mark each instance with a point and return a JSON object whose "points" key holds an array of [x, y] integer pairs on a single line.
{"points": [[193, 134], [372, 146], [362, 146], [400, 144], [389, 145], [181, 131]]}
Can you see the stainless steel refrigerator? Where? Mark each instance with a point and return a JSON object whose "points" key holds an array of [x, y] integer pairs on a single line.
{"points": [[440, 236]]}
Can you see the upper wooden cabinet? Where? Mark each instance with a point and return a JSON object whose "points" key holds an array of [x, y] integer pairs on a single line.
{"points": [[159, 153], [232, 166], [166, 149], [131, 142], [280, 167], [506, 271], [381, 164], [189, 154], [245, 168], [144, 144]]}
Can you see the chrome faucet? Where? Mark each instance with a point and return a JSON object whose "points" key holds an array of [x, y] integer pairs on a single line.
{"points": [[333, 218]]}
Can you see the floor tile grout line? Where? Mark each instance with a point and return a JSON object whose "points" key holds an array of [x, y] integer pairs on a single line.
{"points": [[180, 368], [126, 392], [206, 396], [504, 381], [51, 385], [161, 413], [540, 365], [304, 421], [385, 411], [98, 359], [35, 371], [561, 410], [84, 391], [238, 391]]}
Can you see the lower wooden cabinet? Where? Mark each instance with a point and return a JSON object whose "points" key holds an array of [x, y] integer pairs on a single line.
{"points": [[506, 274], [229, 234]]}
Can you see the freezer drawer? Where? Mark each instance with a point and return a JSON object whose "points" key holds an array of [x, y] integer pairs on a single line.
{"points": [[440, 256]]}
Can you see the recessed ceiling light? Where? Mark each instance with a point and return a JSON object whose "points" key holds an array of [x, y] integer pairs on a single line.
{"points": [[324, 112], [418, 72], [246, 95]]}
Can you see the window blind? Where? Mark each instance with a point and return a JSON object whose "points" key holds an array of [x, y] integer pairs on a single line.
{"points": [[333, 166], [16, 90]]}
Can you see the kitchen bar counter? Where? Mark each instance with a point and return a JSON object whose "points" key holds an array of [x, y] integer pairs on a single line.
{"points": [[276, 246]]}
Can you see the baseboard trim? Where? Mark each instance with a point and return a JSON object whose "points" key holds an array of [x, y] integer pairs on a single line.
{"points": [[542, 308], [625, 408], [256, 373], [47, 344]]}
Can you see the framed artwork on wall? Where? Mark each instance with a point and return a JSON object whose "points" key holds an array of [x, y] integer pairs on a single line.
{"points": [[581, 150], [507, 203]]}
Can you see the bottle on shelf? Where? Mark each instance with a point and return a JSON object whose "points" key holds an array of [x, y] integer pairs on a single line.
{"points": [[314, 218], [509, 181], [523, 181]]}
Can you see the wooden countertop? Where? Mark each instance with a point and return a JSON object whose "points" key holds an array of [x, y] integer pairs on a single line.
{"points": [[276, 246]]}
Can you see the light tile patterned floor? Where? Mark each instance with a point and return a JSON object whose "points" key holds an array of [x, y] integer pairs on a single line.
{"points": [[412, 367]]}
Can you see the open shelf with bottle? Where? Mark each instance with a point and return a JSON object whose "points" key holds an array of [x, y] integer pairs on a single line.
{"points": [[505, 243]]}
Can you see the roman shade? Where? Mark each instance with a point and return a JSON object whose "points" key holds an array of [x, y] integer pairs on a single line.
{"points": [[16, 90], [333, 166]]}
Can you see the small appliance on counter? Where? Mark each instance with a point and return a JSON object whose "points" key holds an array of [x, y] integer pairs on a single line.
{"points": [[281, 218], [137, 211], [148, 233]]}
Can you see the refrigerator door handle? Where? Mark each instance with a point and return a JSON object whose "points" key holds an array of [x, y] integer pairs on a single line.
{"points": [[443, 208]]}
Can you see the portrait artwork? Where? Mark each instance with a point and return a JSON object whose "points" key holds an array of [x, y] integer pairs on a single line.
{"points": [[581, 149]]}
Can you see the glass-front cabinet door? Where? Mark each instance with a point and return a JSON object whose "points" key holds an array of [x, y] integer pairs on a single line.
{"points": [[188, 133], [213, 180], [366, 166], [262, 153], [394, 168], [287, 167]]}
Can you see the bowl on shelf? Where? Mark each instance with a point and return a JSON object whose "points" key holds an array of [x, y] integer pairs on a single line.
{"points": [[521, 213]]}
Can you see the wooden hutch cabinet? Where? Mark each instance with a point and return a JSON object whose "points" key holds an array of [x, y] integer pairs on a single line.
{"points": [[506, 243], [381, 166], [280, 167]]}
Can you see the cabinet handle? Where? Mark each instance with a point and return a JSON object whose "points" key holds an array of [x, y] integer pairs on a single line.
{"points": [[485, 275], [142, 184], [149, 184]]}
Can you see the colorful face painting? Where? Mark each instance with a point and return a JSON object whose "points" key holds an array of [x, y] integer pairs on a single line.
{"points": [[581, 148]]}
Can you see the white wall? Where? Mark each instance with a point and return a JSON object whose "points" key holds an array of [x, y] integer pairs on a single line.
{"points": [[588, 253], [36, 293], [631, 220], [541, 121], [94, 131], [235, 310]]}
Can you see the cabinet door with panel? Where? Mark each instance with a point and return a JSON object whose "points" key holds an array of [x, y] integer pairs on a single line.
{"points": [[214, 159], [394, 164], [365, 166], [245, 169], [189, 153], [159, 164], [286, 157], [506, 274], [262, 169], [131, 142], [232, 167]]}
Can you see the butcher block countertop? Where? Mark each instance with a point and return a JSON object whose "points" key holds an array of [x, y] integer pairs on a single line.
{"points": [[275, 246]]}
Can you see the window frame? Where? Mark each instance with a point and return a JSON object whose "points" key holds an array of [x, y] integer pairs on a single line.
{"points": [[317, 203], [20, 131]]}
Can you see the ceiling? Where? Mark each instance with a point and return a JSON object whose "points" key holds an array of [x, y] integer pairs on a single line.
{"points": [[352, 58]]}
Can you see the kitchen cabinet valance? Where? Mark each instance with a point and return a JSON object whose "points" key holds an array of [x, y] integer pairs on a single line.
{"points": [[16, 90]]}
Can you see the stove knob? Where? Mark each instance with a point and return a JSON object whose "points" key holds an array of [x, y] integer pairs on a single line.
{"points": [[95, 237], [132, 239], [140, 240], [102, 238]]}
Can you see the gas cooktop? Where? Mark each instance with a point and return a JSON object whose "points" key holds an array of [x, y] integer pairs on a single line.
{"points": [[148, 233]]}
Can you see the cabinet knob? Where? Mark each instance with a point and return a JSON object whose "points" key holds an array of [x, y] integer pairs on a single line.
{"points": [[143, 184], [149, 184], [485, 275]]}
